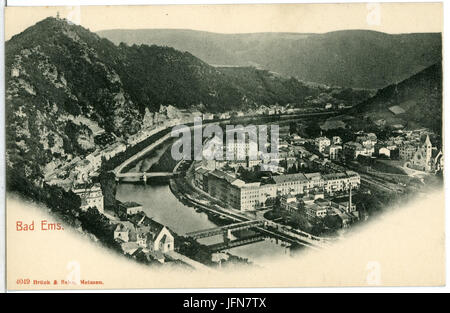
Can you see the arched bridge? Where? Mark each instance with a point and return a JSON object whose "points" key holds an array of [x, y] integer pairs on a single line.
{"points": [[145, 174]]}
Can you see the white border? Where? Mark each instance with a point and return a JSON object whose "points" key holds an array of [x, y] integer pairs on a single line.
{"points": [[446, 138]]}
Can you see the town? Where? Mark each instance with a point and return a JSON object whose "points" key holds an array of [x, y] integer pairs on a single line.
{"points": [[311, 191]]}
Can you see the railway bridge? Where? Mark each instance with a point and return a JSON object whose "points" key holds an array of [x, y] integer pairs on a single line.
{"points": [[226, 230]]}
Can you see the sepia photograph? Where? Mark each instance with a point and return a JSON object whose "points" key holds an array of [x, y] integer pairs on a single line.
{"points": [[224, 146]]}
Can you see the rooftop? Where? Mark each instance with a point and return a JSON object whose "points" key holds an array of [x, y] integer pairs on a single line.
{"points": [[313, 175], [289, 178]]}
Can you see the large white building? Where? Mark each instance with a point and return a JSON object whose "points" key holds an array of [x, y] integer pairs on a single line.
{"points": [[321, 143], [236, 193]]}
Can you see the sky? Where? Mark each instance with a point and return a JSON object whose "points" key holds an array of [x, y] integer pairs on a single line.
{"points": [[242, 18]]}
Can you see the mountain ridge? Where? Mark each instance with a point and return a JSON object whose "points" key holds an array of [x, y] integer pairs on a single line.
{"points": [[320, 58]]}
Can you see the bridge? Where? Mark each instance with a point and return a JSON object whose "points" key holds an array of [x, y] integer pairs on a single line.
{"points": [[144, 174], [270, 228], [226, 230], [236, 243]]}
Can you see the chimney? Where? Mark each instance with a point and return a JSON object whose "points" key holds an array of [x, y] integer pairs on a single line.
{"points": [[350, 199]]}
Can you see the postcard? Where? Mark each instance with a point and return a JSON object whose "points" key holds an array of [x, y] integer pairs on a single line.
{"points": [[205, 146]]}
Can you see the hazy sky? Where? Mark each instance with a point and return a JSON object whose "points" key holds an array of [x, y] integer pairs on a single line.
{"points": [[304, 18]]}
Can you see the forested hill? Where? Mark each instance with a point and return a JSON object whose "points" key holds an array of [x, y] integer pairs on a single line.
{"points": [[350, 58], [418, 97], [56, 71]]}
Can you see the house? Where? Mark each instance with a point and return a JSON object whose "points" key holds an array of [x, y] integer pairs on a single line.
{"points": [[142, 235], [367, 140], [201, 178], [353, 149], [91, 196], [124, 232], [160, 239], [95, 158], [321, 143], [141, 232], [208, 116], [384, 151], [289, 203], [336, 140], [333, 151], [407, 151], [129, 208], [314, 210]]}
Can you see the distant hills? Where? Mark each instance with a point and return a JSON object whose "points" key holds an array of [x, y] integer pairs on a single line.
{"points": [[414, 102], [351, 58]]}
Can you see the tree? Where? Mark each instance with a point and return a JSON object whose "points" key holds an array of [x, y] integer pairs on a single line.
{"points": [[109, 188], [333, 221]]}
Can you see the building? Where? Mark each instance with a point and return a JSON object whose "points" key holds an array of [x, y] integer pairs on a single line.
{"points": [[335, 182], [369, 139], [91, 196], [334, 151], [95, 159], [383, 151], [336, 140], [290, 203], [130, 208], [240, 195], [407, 151], [241, 149], [208, 116], [159, 238], [122, 231], [113, 150], [314, 210], [315, 181], [353, 149], [145, 233], [421, 156], [201, 178], [291, 183], [321, 143], [353, 179]]}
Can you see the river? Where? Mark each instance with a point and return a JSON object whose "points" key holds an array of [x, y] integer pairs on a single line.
{"points": [[160, 204]]}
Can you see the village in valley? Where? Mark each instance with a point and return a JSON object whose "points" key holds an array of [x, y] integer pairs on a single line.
{"points": [[307, 195]]}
